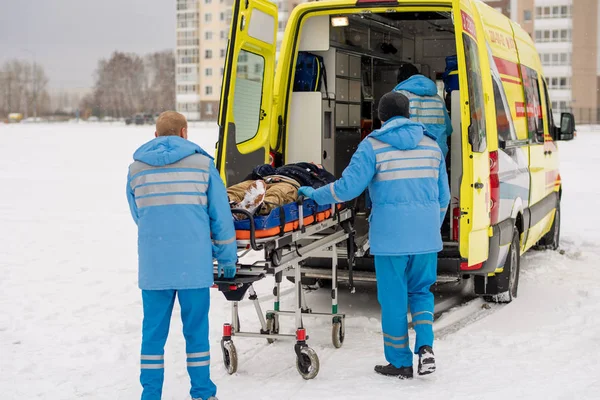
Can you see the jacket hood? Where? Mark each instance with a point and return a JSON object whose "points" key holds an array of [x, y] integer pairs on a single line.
{"points": [[419, 85], [165, 150], [402, 133]]}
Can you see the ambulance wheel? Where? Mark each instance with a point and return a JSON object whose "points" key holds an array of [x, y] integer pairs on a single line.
{"points": [[338, 334], [551, 240], [307, 363], [272, 326], [508, 280], [229, 357]]}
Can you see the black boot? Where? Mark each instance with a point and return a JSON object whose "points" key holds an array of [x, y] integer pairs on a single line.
{"points": [[426, 361], [390, 370]]}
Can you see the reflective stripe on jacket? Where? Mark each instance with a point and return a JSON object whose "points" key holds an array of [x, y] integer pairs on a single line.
{"points": [[405, 172], [180, 205], [428, 108]]}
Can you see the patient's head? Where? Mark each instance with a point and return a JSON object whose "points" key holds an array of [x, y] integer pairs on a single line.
{"points": [[393, 104]]}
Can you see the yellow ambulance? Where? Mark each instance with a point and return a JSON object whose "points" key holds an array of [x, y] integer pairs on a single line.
{"points": [[503, 158]]}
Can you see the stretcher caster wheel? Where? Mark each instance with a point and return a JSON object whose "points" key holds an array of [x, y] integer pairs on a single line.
{"points": [[229, 356], [307, 363], [276, 257], [272, 326], [338, 334]]}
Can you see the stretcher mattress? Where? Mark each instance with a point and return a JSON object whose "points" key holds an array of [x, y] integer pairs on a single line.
{"points": [[282, 219]]}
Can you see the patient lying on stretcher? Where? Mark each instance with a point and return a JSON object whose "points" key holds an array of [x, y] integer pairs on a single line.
{"points": [[267, 188]]}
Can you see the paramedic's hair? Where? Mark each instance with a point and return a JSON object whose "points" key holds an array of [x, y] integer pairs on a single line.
{"points": [[170, 123], [405, 71]]}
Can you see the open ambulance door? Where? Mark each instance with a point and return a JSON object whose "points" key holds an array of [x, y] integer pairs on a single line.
{"points": [[247, 90], [475, 184]]}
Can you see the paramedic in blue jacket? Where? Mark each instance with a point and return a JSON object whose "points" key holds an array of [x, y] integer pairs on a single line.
{"points": [[180, 206], [426, 106], [405, 172]]}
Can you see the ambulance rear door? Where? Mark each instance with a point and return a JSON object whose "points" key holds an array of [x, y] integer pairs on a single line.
{"points": [[247, 90], [475, 186]]}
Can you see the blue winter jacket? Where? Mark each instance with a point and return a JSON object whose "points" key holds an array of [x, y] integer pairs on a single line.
{"points": [[406, 175], [427, 107], [180, 205]]}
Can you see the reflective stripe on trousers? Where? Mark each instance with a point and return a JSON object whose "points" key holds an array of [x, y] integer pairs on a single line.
{"points": [[399, 279]]}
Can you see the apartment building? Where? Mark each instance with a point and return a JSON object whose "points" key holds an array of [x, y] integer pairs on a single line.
{"points": [[202, 31], [567, 36]]}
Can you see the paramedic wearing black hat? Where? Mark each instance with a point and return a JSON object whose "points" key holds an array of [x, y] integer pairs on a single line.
{"points": [[426, 106], [404, 169]]}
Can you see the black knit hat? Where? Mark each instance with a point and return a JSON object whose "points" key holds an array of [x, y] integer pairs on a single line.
{"points": [[393, 104], [405, 71]]}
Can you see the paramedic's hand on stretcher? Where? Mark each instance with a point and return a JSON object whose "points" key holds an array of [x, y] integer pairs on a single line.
{"points": [[228, 271], [306, 191]]}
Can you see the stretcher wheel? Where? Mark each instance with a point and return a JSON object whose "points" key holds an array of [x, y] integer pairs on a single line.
{"points": [[272, 326], [229, 357], [307, 363], [338, 334], [276, 257]]}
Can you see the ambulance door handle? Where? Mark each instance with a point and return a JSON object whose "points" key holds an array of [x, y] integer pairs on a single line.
{"points": [[478, 185]]}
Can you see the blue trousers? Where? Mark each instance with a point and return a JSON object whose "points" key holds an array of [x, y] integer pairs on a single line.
{"points": [[403, 282], [158, 306]]}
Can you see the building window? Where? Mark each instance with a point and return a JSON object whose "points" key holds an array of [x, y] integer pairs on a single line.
{"points": [[553, 35], [527, 15], [559, 82], [222, 53], [553, 12], [207, 17], [222, 71], [208, 35], [223, 34], [208, 54], [209, 108], [208, 90], [208, 72], [207, 1], [222, 16], [185, 89]]}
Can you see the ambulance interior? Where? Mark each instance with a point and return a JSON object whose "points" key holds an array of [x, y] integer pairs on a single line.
{"points": [[362, 54]]}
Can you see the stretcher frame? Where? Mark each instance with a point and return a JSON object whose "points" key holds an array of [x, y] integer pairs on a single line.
{"points": [[283, 257]]}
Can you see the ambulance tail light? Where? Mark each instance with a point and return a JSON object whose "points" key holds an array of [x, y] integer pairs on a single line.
{"points": [[455, 219], [494, 187], [464, 266]]}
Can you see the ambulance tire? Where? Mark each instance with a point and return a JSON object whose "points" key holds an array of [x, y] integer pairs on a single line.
{"points": [[551, 240], [508, 280]]}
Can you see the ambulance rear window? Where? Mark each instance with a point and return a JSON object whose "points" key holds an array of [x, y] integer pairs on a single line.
{"points": [[477, 135]]}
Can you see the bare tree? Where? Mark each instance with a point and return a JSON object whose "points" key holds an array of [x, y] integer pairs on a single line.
{"points": [[127, 84], [23, 88], [161, 75]]}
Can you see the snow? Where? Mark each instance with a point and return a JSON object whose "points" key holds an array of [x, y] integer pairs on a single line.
{"points": [[70, 317]]}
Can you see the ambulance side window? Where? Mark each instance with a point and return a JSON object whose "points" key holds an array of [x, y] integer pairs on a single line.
{"points": [[533, 105], [247, 98], [549, 111], [503, 117], [477, 135]]}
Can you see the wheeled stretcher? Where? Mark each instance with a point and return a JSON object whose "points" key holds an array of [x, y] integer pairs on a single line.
{"points": [[293, 239]]}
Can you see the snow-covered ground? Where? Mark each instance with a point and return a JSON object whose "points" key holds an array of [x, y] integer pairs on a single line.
{"points": [[70, 310]]}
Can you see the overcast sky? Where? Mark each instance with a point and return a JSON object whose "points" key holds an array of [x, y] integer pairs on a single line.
{"points": [[68, 37]]}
